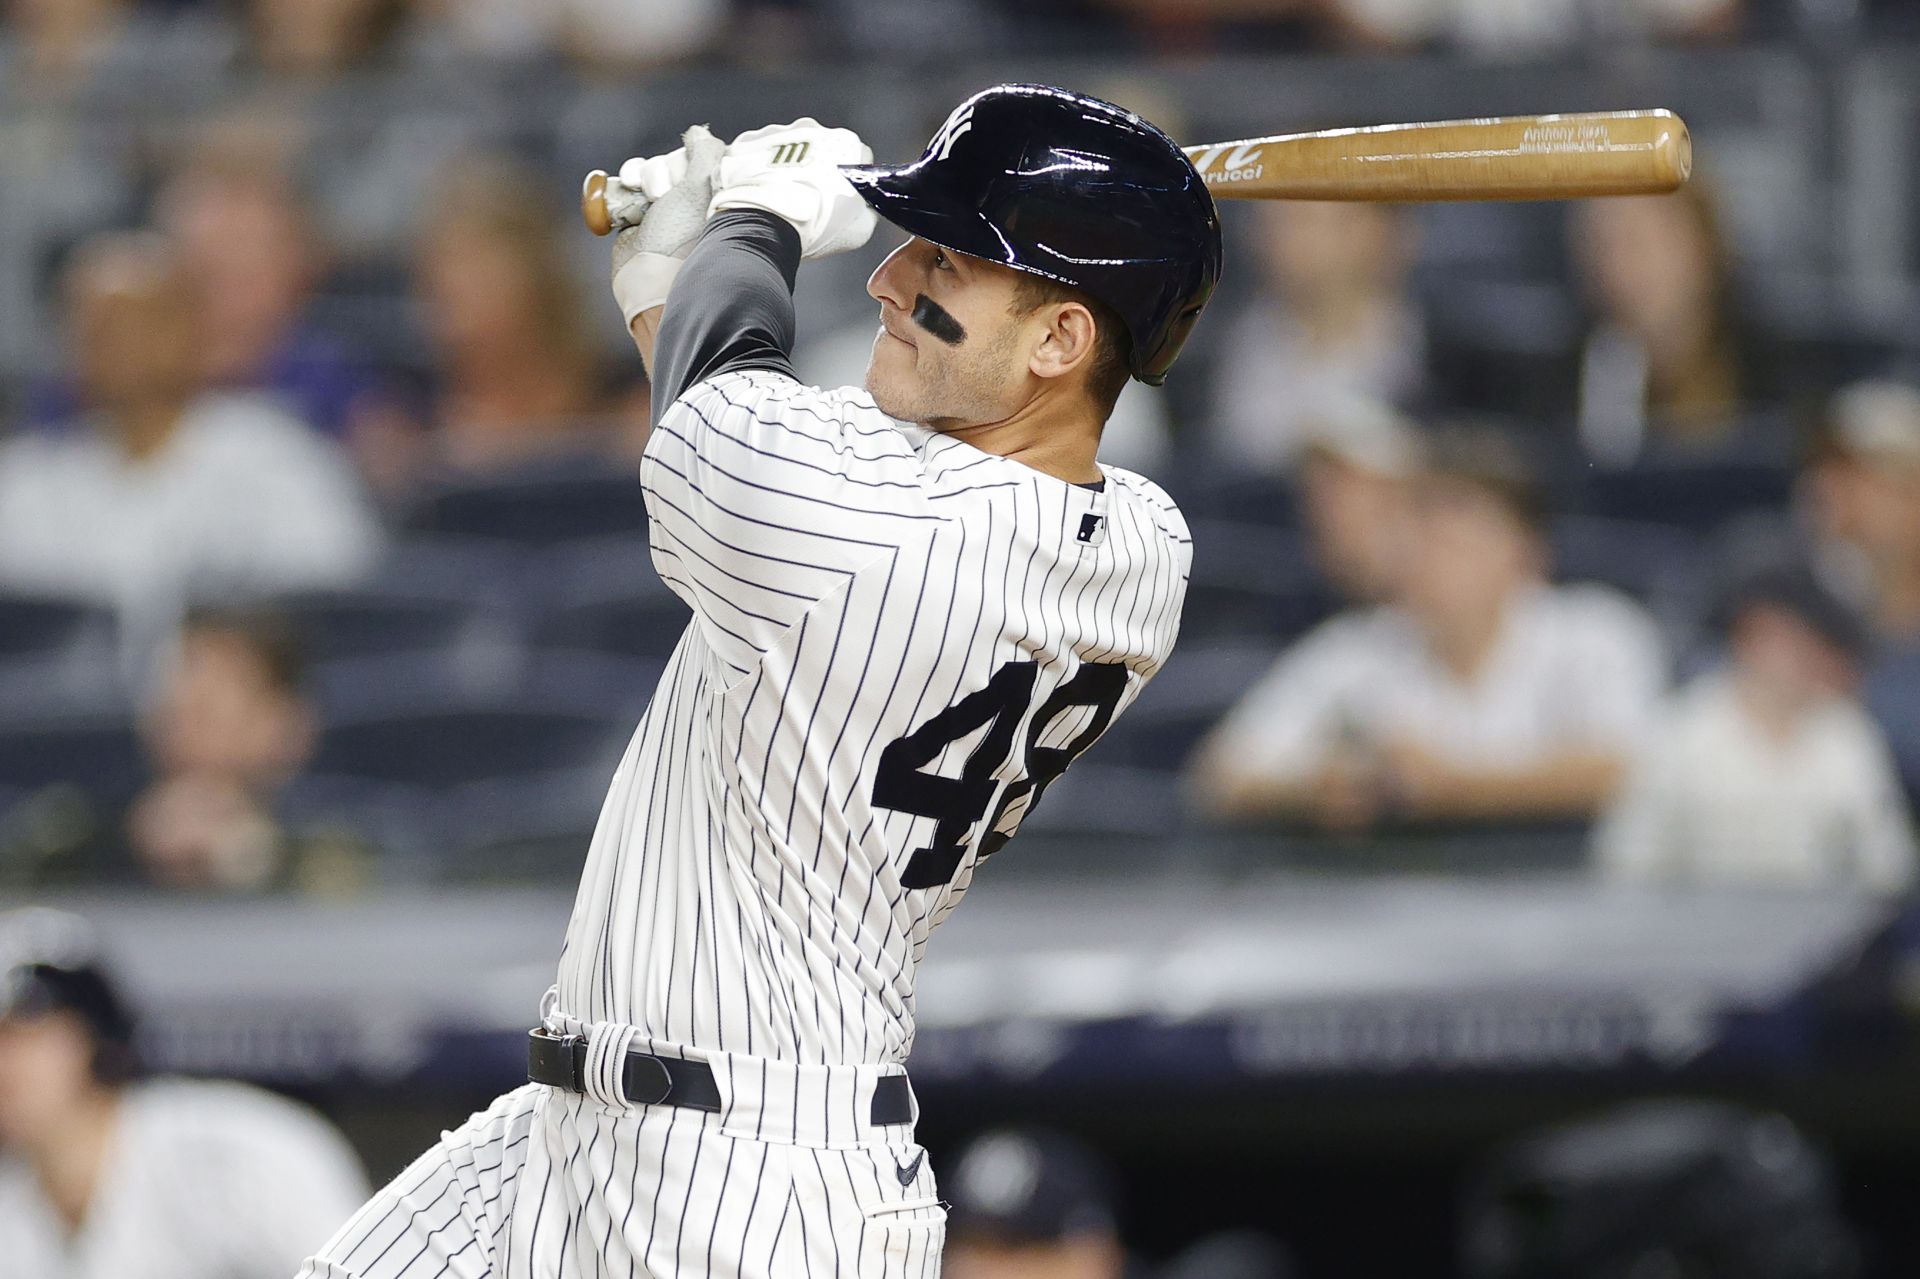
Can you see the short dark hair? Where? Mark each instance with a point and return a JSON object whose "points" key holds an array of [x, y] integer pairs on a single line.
{"points": [[1113, 345], [266, 634]]}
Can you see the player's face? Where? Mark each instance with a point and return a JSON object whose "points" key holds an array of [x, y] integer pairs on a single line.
{"points": [[950, 352], [45, 1074]]}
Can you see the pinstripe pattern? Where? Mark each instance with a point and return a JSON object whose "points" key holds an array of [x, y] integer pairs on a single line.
{"points": [[849, 578], [745, 900], [549, 1184]]}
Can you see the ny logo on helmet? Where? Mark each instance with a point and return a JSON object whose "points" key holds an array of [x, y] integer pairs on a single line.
{"points": [[791, 152], [957, 123]]}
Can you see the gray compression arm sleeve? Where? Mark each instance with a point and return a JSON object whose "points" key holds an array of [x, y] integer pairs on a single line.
{"points": [[731, 307]]}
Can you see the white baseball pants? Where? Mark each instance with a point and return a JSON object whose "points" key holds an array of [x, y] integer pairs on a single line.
{"points": [[788, 1181]]}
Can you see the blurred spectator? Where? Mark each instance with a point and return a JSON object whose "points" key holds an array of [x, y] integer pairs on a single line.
{"points": [[1356, 495], [318, 38], [1478, 693], [1665, 358], [165, 491], [63, 43], [106, 1173], [519, 375], [227, 737], [1688, 1189], [255, 257], [1768, 771], [1862, 485], [1335, 321], [611, 33], [1862, 491], [1530, 28], [1030, 1204]]}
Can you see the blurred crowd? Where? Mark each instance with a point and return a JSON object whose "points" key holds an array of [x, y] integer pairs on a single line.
{"points": [[64, 43], [322, 560]]}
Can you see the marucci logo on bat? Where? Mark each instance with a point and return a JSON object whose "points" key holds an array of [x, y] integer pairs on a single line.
{"points": [[1238, 162], [791, 152]]}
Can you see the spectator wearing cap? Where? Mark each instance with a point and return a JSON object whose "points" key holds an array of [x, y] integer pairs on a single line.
{"points": [[1768, 770], [107, 1173], [1355, 482], [1861, 491], [1478, 693], [1032, 1204]]}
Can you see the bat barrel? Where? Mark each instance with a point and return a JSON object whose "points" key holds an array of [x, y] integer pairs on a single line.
{"points": [[1554, 157]]}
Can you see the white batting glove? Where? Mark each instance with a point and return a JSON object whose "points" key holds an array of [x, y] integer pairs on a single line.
{"points": [[793, 171], [662, 205]]}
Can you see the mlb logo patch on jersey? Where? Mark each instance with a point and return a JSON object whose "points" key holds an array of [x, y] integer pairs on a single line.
{"points": [[1091, 527]]}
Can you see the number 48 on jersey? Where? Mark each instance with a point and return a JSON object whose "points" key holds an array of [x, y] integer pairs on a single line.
{"points": [[901, 782]]}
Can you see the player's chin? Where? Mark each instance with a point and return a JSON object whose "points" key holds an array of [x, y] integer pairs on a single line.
{"points": [[890, 379]]}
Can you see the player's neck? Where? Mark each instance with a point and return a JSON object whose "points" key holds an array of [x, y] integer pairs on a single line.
{"points": [[69, 1168], [1055, 439]]}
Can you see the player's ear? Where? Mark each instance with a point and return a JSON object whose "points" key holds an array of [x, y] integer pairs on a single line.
{"points": [[1067, 341]]}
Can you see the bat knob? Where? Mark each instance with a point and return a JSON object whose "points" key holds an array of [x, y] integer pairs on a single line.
{"points": [[593, 203]]}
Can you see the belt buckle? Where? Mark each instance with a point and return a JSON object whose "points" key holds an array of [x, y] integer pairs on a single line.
{"points": [[644, 1079]]}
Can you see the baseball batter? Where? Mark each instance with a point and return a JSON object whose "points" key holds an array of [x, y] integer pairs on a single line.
{"points": [[913, 606]]}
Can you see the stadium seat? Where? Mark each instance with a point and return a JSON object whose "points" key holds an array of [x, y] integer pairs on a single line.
{"points": [[1697, 494], [1654, 563], [430, 594], [1252, 583], [537, 506], [99, 753], [444, 747], [1096, 798], [605, 595], [33, 625]]}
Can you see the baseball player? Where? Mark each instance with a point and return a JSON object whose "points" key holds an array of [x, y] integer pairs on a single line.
{"points": [[105, 1174], [913, 606]]}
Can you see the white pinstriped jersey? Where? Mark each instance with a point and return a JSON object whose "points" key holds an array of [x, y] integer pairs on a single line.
{"points": [[898, 641]]}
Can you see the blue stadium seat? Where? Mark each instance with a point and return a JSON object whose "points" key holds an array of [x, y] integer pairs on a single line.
{"points": [[1253, 583], [1096, 798], [1657, 564], [429, 594], [605, 595], [537, 506], [1699, 494], [445, 747], [99, 753], [32, 625]]}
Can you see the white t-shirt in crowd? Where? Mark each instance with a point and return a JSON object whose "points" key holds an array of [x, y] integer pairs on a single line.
{"points": [[242, 500], [1715, 799], [203, 1180], [1573, 668]]}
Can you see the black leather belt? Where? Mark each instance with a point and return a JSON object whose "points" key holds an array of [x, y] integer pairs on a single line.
{"points": [[646, 1080]]}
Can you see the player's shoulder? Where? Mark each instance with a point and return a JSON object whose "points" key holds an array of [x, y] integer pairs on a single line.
{"points": [[778, 399], [1135, 489]]}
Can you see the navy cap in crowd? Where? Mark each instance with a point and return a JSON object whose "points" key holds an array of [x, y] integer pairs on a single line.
{"points": [[1029, 1186]]}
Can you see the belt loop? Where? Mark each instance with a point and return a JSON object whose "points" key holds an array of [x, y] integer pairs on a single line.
{"points": [[607, 1044]]}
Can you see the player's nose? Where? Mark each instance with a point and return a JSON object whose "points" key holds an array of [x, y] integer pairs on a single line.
{"points": [[888, 282]]}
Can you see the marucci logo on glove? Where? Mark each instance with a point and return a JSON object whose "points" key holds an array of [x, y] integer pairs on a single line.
{"points": [[791, 153]]}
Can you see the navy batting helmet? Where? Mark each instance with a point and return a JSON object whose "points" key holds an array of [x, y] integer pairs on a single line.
{"points": [[1073, 189], [50, 962]]}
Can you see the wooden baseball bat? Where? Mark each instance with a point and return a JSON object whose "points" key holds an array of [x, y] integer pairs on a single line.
{"points": [[1528, 157]]}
